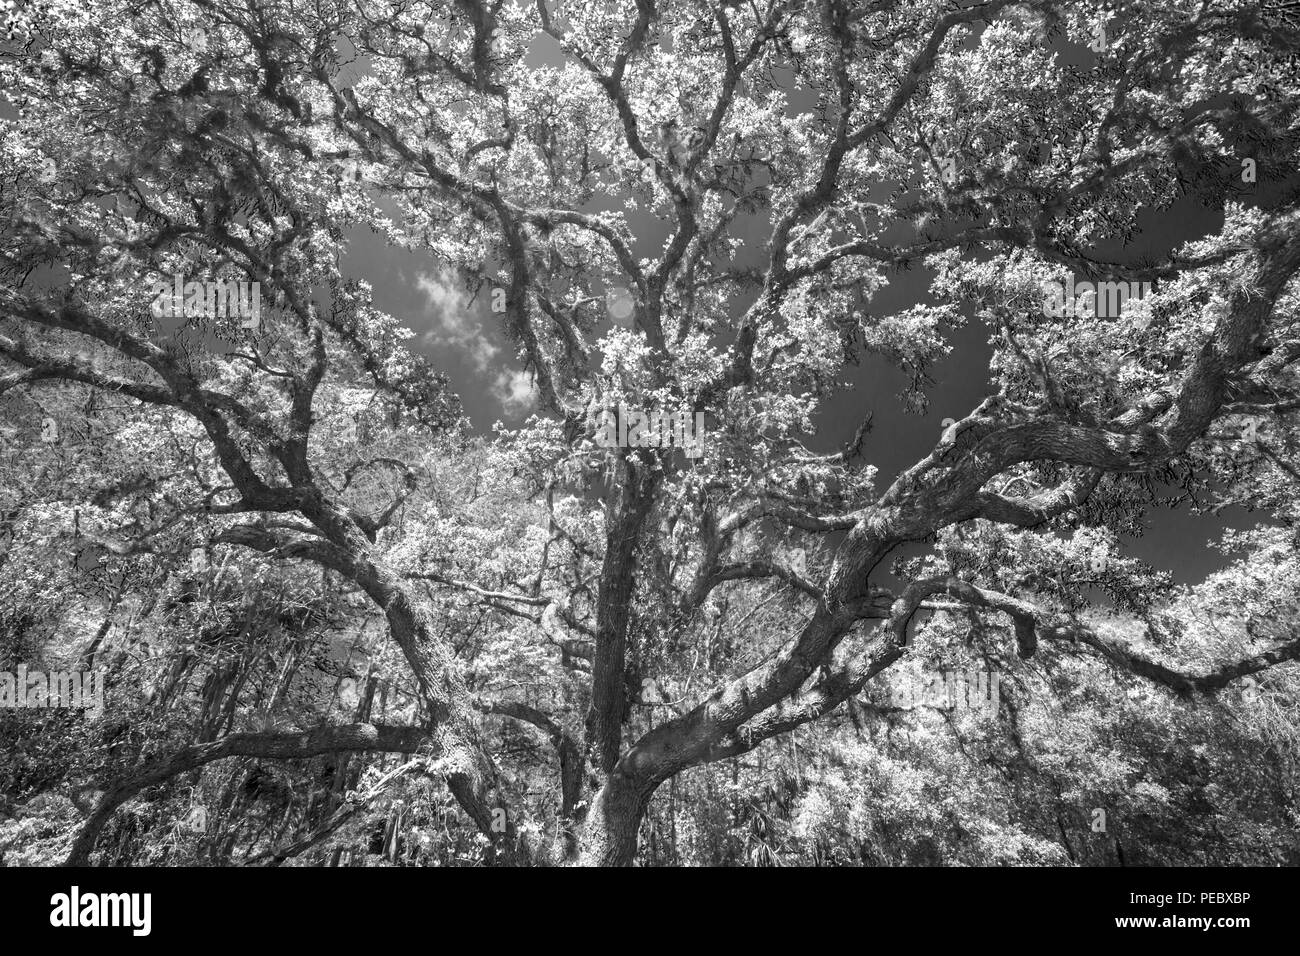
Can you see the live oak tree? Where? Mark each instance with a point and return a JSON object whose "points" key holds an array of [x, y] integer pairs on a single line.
{"points": [[752, 176]]}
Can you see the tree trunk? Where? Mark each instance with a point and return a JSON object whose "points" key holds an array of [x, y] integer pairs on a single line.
{"points": [[613, 613], [609, 837]]}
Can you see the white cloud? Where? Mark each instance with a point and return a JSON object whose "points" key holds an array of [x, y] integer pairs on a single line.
{"points": [[456, 325], [515, 391]]}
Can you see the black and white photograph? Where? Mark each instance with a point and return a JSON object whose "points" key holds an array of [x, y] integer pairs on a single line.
{"points": [[513, 434]]}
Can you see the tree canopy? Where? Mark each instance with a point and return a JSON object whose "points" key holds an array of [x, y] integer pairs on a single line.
{"points": [[339, 615]]}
